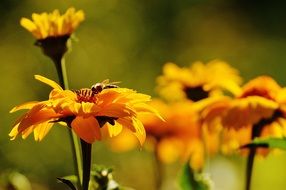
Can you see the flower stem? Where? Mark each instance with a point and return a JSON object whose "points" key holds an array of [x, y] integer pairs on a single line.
{"points": [[158, 169], [75, 145], [86, 157], [249, 167], [256, 130]]}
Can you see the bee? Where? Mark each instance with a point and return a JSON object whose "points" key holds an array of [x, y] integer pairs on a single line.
{"points": [[98, 87]]}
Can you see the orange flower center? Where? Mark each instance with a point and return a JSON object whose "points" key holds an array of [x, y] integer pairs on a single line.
{"points": [[89, 95], [257, 92], [85, 95]]}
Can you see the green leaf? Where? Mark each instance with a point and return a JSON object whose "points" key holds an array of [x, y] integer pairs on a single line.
{"points": [[102, 179], [191, 180], [72, 178], [267, 143], [67, 182]]}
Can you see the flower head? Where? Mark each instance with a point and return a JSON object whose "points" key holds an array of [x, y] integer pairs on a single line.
{"points": [[258, 111], [259, 99], [179, 137], [53, 24], [199, 81], [53, 30], [90, 112]]}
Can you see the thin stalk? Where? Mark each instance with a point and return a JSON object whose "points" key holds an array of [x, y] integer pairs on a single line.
{"points": [[249, 167], [158, 170], [75, 145], [256, 132], [86, 158]]}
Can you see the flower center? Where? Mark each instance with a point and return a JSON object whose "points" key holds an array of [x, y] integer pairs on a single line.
{"points": [[257, 92], [88, 94], [196, 93], [85, 95]]}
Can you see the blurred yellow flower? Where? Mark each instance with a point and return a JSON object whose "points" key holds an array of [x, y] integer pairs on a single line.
{"points": [[199, 81], [258, 111], [179, 137], [53, 24], [260, 99], [89, 112]]}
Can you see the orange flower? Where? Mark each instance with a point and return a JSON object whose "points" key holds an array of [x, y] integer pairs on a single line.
{"points": [[87, 111], [260, 99], [53, 24], [258, 111], [179, 137], [198, 82]]}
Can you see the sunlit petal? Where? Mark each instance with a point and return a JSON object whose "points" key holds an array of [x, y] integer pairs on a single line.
{"points": [[87, 128], [27, 105]]}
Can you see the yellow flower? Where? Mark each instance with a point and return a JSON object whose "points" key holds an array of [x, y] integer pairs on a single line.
{"points": [[179, 137], [199, 81], [89, 112], [53, 24], [260, 99], [258, 111]]}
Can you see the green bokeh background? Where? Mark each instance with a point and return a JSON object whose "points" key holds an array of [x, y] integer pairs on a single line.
{"points": [[129, 41]]}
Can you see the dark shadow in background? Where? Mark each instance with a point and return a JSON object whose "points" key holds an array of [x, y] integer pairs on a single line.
{"points": [[268, 17]]}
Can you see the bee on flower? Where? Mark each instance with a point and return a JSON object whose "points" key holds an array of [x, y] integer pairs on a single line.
{"points": [[89, 112]]}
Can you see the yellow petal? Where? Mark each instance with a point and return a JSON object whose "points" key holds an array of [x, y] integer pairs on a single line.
{"points": [[48, 82], [87, 128], [169, 150], [114, 130], [88, 107], [107, 96], [126, 122], [27, 105], [14, 132], [36, 116], [145, 108], [134, 125], [27, 132], [28, 24], [197, 158], [248, 111], [139, 130], [116, 110], [74, 107], [41, 130], [125, 141], [41, 21]]}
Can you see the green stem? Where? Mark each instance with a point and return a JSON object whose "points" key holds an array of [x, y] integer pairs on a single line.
{"points": [[256, 131], [158, 170], [249, 167], [75, 145], [86, 158]]}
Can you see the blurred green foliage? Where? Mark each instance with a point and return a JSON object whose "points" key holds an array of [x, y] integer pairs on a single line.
{"points": [[191, 180], [129, 41]]}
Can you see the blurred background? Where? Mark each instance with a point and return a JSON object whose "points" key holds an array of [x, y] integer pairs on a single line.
{"points": [[129, 41]]}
